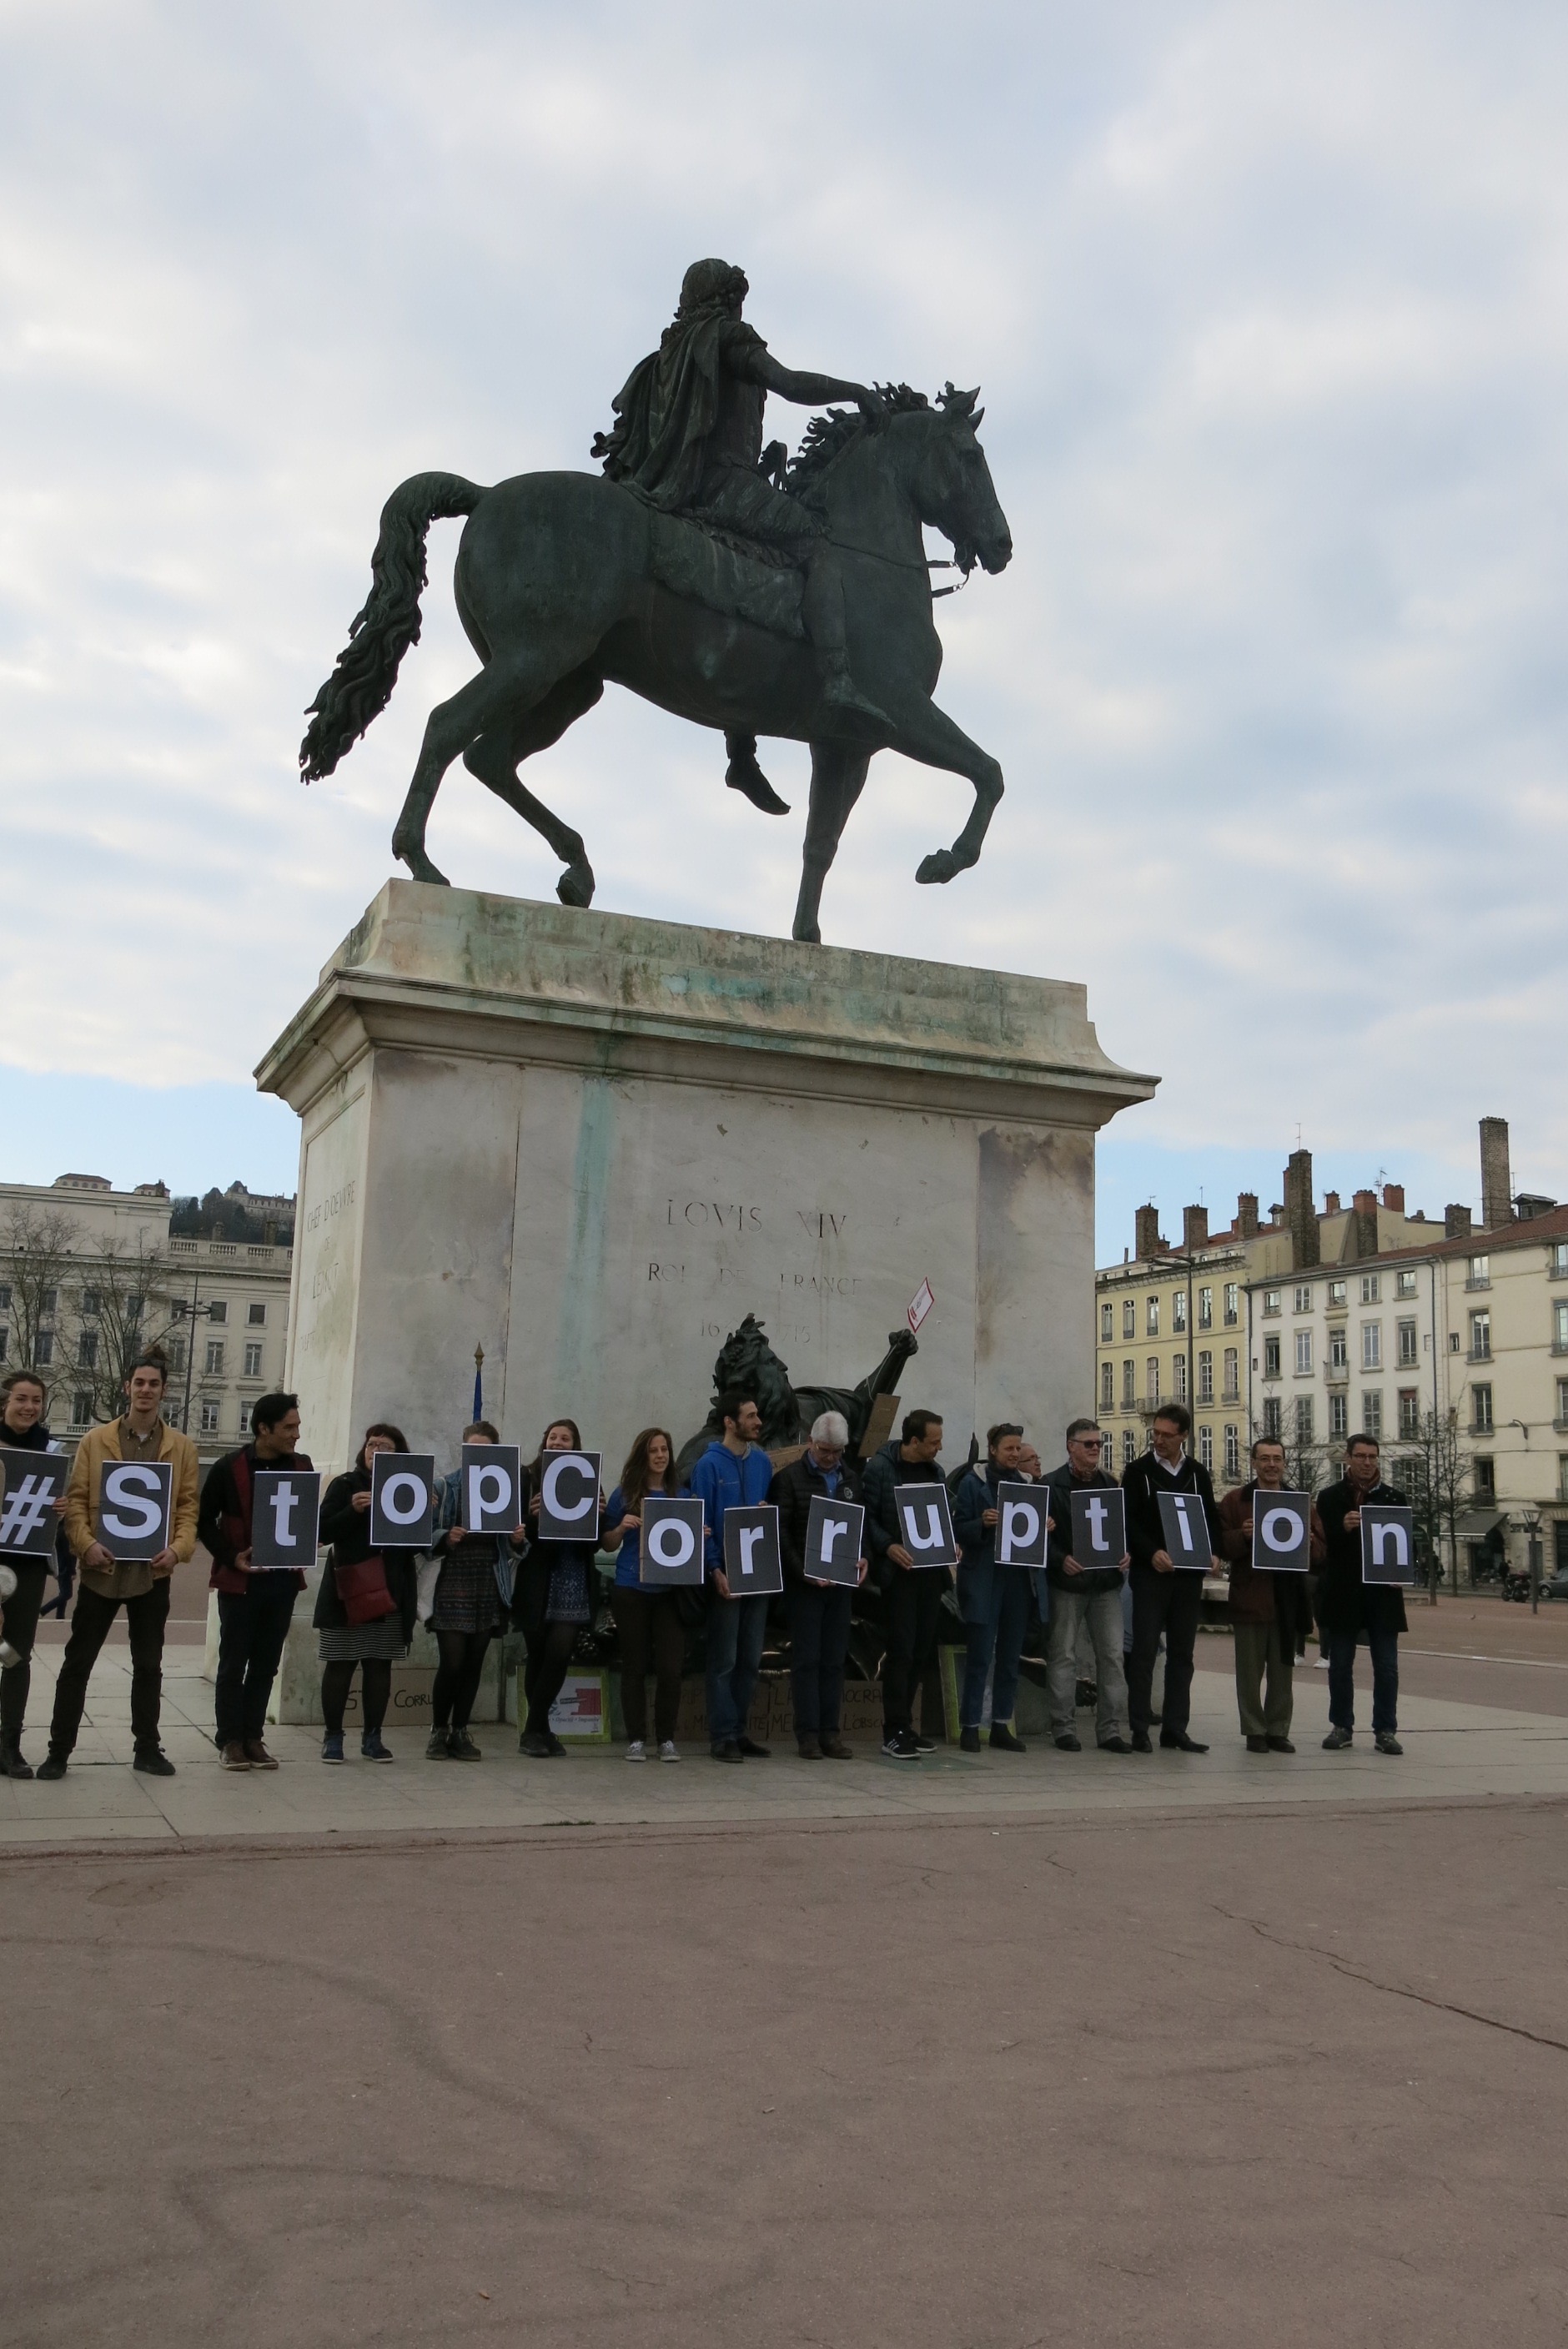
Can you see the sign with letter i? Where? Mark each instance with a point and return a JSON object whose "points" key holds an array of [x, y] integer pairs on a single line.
{"points": [[1186, 1529]]}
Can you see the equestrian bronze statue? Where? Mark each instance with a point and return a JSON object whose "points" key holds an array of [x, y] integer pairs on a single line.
{"points": [[704, 573]]}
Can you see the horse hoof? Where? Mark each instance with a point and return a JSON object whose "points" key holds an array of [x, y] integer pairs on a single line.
{"points": [[808, 934], [941, 865], [575, 886], [420, 864]]}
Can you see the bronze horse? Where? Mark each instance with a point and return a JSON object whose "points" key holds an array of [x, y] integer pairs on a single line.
{"points": [[558, 586]]}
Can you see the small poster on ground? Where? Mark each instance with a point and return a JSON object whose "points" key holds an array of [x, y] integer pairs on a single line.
{"points": [[1388, 1543], [753, 1564], [580, 1713], [402, 1500], [926, 1523], [1282, 1533], [30, 1485], [567, 1497], [1099, 1528], [1022, 1513], [491, 1489], [833, 1535], [670, 1551], [285, 1514], [1186, 1528], [136, 1500]]}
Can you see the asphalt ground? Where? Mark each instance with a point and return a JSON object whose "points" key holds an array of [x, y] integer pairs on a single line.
{"points": [[1291, 2075]]}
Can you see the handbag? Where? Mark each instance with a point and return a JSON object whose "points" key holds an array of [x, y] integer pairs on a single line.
{"points": [[429, 1575], [363, 1590]]}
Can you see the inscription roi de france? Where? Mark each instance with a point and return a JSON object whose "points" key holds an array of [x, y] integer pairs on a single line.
{"points": [[816, 1223]]}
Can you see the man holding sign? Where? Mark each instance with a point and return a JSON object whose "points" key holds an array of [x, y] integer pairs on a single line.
{"points": [[1350, 1608], [1271, 1610], [1166, 1600], [733, 1473], [112, 1531], [819, 1604], [912, 1597], [993, 1599], [254, 1603], [1085, 1590]]}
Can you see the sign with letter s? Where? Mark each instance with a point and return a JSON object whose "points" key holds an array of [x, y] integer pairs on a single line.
{"points": [[669, 1554], [285, 1514], [567, 1497], [402, 1500], [136, 1500]]}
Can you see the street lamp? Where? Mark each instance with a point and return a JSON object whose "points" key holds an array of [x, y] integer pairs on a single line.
{"points": [[1528, 1519]]}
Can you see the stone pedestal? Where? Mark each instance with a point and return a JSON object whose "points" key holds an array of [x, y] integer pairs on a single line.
{"points": [[593, 1143]]}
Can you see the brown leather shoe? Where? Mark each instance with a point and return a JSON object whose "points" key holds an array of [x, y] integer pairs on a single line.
{"points": [[808, 1749], [835, 1749], [235, 1756], [258, 1757]]}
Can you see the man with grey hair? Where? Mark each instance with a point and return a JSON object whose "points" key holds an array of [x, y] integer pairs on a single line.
{"points": [[818, 1611]]}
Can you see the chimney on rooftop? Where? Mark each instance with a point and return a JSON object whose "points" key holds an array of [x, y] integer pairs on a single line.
{"points": [[1363, 1225], [1146, 1240], [1299, 1212], [1394, 1197], [1496, 1187], [1194, 1229], [1247, 1216], [1331, 1203], [1456, 1222]]}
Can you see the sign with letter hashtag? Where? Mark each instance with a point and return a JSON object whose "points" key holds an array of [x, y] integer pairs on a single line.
{"points": [[33, 1481]]}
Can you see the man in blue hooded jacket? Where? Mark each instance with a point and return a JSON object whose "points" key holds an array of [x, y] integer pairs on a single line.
{"points": [[994, 1599], [734, 1473]]}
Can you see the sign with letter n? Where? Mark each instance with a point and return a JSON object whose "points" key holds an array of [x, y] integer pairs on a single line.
{"points": [[1186, 1530], [30, 1485], [1388, 1543], [1281, 1532], [833, 1530], [286, 1512], [670, 1551], [925, 1524], [753, 1563]]}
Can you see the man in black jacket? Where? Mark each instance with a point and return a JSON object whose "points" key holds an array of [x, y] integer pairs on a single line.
{"points": [[912, 1595], [1165, 1598], [818, 1611], [1079, 1595], [253, 1610], [1349, 1609]]}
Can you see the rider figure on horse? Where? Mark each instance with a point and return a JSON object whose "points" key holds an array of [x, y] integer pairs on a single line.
{"points": [[687, 436]]}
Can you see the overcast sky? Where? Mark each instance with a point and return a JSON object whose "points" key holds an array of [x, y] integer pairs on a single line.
{"points": [[1268, 306]]}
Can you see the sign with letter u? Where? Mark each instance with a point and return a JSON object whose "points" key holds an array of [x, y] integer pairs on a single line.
{"points": [[925, 1524]]}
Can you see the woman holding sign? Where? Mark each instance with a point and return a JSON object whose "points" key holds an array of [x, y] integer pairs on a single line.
{"points": [[557, 1602], [28, 1520], [473, 1594], [647, 1619], [348, 1640]]}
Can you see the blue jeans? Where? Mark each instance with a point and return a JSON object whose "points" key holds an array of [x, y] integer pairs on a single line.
{"points": [[737, 1630], [1385, 1647], [995, 1604]]}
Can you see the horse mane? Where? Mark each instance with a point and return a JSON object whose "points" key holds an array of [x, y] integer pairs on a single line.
{"points": [[826, 438]]}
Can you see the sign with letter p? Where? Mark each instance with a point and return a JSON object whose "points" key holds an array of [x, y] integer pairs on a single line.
{"points": [[569, 1496], [136, 1500], [1099, 1528], [30, 1485], [1021, 1513], [753, 1563], [492, 1487], [402, 1500], [670, 1551], [1388, 1543], [285, 1514], [1186, 1530], [1282, 1526], [833, 1531]]}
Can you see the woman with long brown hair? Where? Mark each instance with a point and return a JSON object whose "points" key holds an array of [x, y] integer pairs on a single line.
{"points": [[647, 1620], [554, 1603], [350, 1636]]}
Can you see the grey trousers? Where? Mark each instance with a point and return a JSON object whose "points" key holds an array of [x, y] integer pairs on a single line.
{"points": [[1261, 1648], [1102, 1613]]}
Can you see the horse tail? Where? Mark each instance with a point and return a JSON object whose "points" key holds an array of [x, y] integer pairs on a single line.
{"points": [[366, 670]]}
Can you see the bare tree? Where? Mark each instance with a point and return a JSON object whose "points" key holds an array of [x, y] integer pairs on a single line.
{"points": [[37, 1244], [123, 1307], [1434, 1467]]}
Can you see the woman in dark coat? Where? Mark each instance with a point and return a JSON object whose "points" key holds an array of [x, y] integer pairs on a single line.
{"points": [[375, 1646]]}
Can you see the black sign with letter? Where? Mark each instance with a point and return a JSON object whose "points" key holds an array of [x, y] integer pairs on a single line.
{"points": [[833, 1531], [670, 1550], [33, 1481], [402, 1500], [1282, 1524], [491, 1484], [1099, 1528], [753, 1563], [286, 1512], [925, 1524], [1186, 1530], [136, 1500], [1388, 1543], [1021, 1513], [568, 1496]]}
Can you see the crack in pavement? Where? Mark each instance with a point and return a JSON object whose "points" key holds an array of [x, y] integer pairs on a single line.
{"points": [[1394, 1989]]}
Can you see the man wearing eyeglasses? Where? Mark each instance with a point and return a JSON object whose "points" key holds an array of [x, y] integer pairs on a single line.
{"points": [[1087, 1596]]}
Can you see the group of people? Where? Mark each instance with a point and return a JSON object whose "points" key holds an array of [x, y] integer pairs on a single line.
{"points": [[468, 1586]]}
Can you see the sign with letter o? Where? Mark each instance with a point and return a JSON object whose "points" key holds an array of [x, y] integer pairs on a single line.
{"points": [[1281, 1532], [402, 1500], [669, 1554]]}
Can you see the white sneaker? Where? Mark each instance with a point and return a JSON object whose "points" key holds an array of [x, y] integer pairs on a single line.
{"points": [[636, 1751], [669, 1751], [1322, 1664]]}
